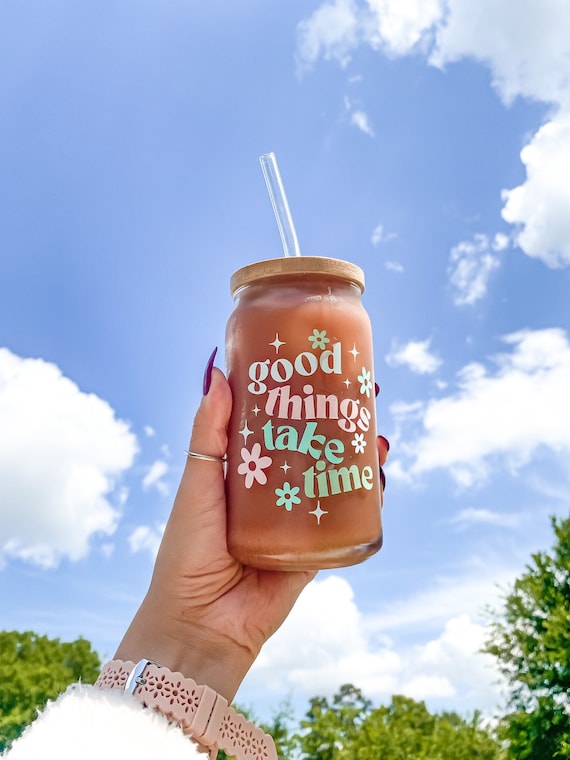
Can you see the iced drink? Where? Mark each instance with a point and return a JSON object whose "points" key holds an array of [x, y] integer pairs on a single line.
{"points": [[302, 476]]}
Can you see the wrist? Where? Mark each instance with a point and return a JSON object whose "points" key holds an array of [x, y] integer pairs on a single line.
{"points": [[206, 656]]}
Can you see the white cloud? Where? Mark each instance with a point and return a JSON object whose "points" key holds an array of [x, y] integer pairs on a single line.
{"points": [[540, 206], [500, 242], [460, 635], [471, 263], [453, 662], [149, 431], [424, 687], [62, 453], [394, 266], [380, 236], [331, 32], [154, 475], [526, 47], [336, 28], [473, 516], [399, 26], [402, 410], [360, 119], [328, 641], [146, 538], [468, 592], [416, 356], [322, 645], [494, 418], [107, 550]]}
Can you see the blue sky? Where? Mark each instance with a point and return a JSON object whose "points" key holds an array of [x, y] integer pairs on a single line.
{"points": [[428, 142]]}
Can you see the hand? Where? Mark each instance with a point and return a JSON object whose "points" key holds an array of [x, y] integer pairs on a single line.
{"points": [[206, 615]]}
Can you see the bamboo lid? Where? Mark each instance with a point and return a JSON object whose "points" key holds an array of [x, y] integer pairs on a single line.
{"points": [[271, 268]]}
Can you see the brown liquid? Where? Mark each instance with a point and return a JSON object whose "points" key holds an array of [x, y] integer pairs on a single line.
{"points": [[310, 407]]}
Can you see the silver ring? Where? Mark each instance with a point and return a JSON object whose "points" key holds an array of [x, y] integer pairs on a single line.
{"points": [[207, 457]]}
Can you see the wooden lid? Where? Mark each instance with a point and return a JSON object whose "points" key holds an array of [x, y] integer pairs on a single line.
{"points": [[269, 268]]}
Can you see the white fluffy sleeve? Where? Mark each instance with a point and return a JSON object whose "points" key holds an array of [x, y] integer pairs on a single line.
{"points": [[87, 723]]}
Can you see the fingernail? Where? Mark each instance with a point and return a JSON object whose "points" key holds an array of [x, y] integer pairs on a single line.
{"points": [[376, 389], [383, 479], [385, 441], [207, 381]]}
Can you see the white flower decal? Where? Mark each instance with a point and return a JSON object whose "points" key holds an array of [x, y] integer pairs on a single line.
{"points": [[359, 443]]}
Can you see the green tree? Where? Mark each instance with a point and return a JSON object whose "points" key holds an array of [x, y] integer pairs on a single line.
{"points": [[281, 729], [530, 637], [406, 730], [332, 727], [349, 728], [34, 669]]}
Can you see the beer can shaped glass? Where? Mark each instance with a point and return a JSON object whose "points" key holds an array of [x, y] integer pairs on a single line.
{"points": [[302, 478]]}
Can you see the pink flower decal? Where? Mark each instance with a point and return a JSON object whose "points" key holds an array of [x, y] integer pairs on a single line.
{"points": [[253, 465]]}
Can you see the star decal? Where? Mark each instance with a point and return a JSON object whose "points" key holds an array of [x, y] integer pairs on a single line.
{"points": [[246, 432], [354, 352], [318, 512], [347, 382], [285, 467], [278, 343], [256, 410]]}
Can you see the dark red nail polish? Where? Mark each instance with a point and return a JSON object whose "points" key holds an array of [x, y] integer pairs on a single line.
{"points": [[208, 372], [383, 479], [386, 442], [376, 389]]}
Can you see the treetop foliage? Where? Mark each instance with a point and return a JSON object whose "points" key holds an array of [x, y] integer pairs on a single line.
{"points": [[530, 637], [35, 669], [349, 727]]}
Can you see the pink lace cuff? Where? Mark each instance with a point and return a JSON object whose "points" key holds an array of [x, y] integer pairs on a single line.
{"points": [[200, 712]]}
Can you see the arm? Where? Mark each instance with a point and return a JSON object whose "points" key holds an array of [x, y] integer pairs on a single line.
{"points": [[205, 615]]}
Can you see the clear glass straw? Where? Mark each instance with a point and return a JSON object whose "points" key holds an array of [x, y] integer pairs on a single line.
{"points": [[280, 206]]}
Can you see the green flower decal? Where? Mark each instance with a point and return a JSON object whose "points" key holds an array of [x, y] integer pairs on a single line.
{"points": [[319, 339], [287, 496], [365, 381]]}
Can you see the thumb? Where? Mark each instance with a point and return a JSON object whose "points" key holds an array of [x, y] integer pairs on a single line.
{"points": [[198, 519], [209, 432]]}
